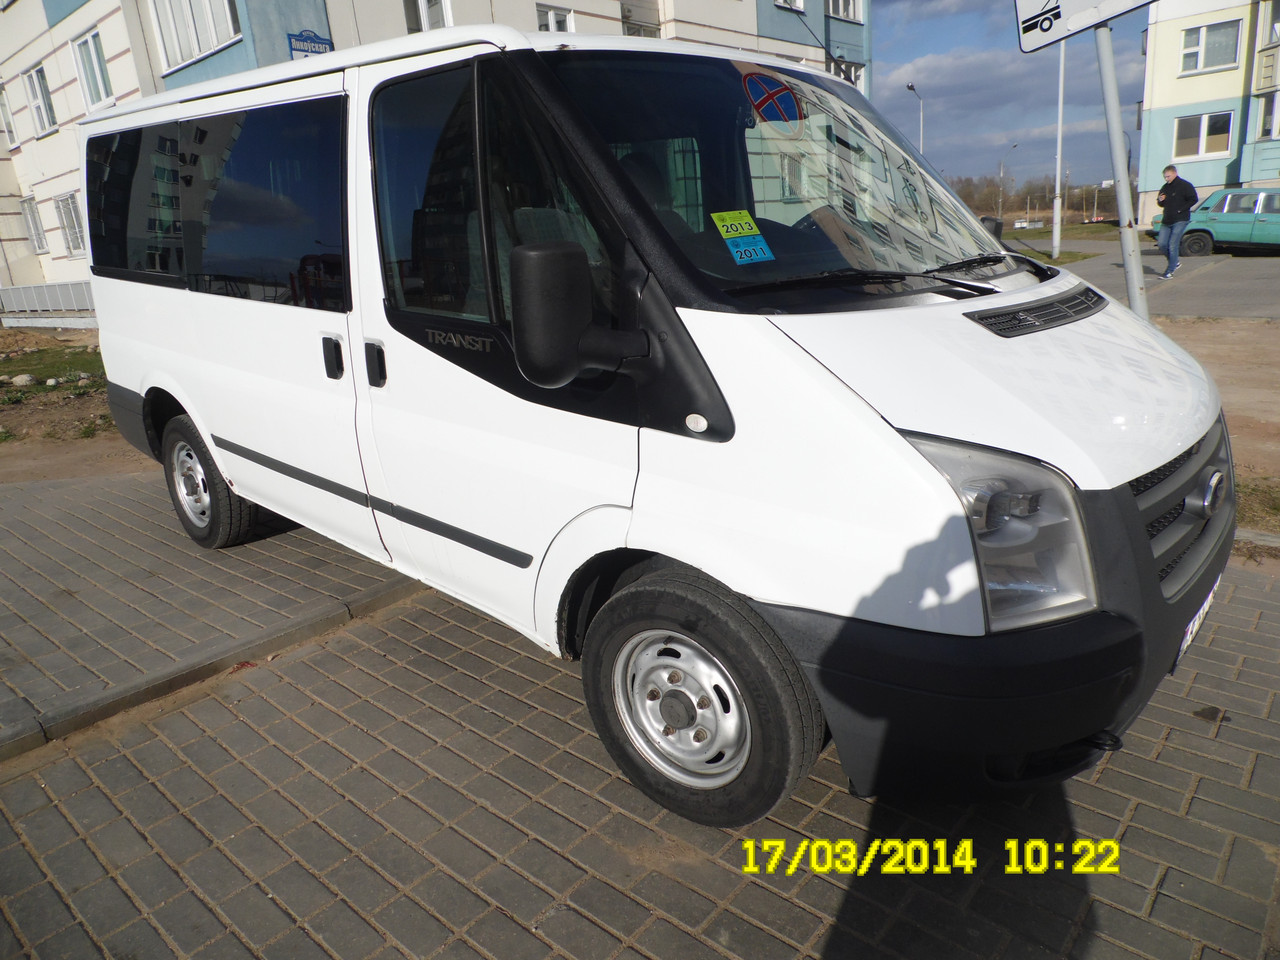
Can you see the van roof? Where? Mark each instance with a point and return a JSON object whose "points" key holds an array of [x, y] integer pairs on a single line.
{"points": [[428, 41]]}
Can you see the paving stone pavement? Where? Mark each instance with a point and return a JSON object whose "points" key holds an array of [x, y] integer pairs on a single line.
{"points": [[104, 601], [422, 782]]}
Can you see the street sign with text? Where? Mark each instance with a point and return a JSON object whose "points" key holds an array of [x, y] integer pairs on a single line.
{"points": [[1042, 22]]}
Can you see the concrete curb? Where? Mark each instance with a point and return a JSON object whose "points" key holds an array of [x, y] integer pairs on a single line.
{"points": [[79, 709], [1259, 537]]}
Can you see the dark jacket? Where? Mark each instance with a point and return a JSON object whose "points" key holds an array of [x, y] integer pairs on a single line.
{"points": [[1177, 197]]}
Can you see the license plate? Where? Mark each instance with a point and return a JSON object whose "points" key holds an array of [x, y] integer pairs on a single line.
{"points": [[1196, 622]]}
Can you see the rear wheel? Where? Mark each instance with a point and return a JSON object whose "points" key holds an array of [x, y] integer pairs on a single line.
{"points": [[1197, 245], [698, 701], [209, 511]]}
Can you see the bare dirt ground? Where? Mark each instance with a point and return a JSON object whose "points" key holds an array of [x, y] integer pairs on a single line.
{"points": [[48, 442]]}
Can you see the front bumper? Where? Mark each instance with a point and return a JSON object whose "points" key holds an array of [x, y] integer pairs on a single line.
{"points": [[908, 709]]}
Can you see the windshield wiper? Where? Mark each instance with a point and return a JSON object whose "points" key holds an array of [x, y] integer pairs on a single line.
{"points": [[860, 277], [991, 259]]}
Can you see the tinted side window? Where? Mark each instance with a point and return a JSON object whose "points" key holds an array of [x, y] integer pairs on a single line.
{"points": [[428, 218], [247, 204], [262, 204], [135, 223]]}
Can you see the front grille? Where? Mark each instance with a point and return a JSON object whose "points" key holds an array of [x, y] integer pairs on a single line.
{"points": [[1031, 317], [1170, 506]]}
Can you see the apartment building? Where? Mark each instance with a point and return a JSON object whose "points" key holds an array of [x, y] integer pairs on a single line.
{"points": [[1210, 98], [63, 59]]}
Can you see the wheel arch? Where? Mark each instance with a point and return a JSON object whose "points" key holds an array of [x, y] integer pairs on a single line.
{"points": [[159, 406], [591, 586]]}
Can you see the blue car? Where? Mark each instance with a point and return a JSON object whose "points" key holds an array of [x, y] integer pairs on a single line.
{"points": [[1232, 219]]}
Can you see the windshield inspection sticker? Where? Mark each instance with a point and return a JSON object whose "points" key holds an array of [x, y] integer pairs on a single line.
{"points": [[742, 237]]}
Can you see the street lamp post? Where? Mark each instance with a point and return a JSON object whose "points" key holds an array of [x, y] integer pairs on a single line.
{"points": [[1000, 193], [912, 88]]}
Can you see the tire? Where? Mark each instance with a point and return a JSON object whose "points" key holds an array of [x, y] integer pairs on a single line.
{"points": [[698, 701], [209, 511], [1196, 245]]}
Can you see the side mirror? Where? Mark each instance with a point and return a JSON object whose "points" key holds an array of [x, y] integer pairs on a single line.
{"points": [[551, 308], [551, 327], [995, 226]]}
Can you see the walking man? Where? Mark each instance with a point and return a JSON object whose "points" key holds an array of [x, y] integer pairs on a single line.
{"points": [[1177, 198]]}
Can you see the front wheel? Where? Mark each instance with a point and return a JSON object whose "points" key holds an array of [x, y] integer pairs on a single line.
{"points": [[1197, 245], [209, 511], [698, 701]]}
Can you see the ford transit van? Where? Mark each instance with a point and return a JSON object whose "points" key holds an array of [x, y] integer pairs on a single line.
{"points": [[681, 361]]}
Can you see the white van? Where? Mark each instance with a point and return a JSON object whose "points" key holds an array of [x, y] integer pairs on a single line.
{"points": [[680, 361]]}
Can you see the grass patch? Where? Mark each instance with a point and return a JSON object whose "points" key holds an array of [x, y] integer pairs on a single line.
{"points": [[1064, 256], [53, 363], [1258, 504], [1073, 231], [6, 436]]}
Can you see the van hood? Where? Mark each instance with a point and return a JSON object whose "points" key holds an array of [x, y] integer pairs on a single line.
{"points": [[1105, 398]]}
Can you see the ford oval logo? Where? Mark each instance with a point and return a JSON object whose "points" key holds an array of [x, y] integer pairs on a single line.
{"points": [[1215, 490]]}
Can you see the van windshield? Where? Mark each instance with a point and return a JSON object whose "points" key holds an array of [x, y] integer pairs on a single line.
{"points": [[770, 179]]}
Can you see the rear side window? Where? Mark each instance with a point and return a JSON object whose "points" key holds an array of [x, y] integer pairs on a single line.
{"points": [[1241, 202], [246, 204]]}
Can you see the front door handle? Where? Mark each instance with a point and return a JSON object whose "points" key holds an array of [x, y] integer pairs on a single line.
{"points": [[375, 363], [332, 348]]}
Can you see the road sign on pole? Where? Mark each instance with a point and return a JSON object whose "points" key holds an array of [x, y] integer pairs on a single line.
{"points": [[1042, 22]]}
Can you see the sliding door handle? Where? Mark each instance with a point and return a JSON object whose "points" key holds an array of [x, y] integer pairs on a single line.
{"points": [[375, 363]]}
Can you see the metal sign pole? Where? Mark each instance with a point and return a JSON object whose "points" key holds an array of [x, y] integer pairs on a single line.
{"points": [[1129, 248], [1057, 175]]}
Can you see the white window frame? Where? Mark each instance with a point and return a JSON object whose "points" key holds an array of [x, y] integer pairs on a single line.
{"points": [[1199, 48], [35, 228], [196, 23], [548, 17], [36, 83], [91, 64], [72, 224], [1204, 127], [441, 10], [6, 119], [1269, 114], [850, 10], [796, 5]]}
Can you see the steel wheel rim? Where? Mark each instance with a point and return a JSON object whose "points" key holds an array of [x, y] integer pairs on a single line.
{"points": [[189, 484], [681, 709]]}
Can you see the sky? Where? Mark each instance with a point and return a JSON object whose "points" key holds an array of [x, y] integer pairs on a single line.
{"points": [[981, 93]]}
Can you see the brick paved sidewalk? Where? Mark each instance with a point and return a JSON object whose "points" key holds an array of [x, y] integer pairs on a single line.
{"points": [[423, 783], [105, 602]]}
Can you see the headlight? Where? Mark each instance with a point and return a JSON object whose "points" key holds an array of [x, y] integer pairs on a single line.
{"points": [[1031, 547]]}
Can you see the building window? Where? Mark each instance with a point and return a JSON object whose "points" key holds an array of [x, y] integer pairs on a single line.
{"points": [[554, 20], [41, 103], [797, 5], [6, 118], [1269, 128], [94, 79], [634, 28], [191, 28], [795, 177], [844, 9], [35, 229], [72, 225], [1215, 46], [1208, 134], [1273, 32]]}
